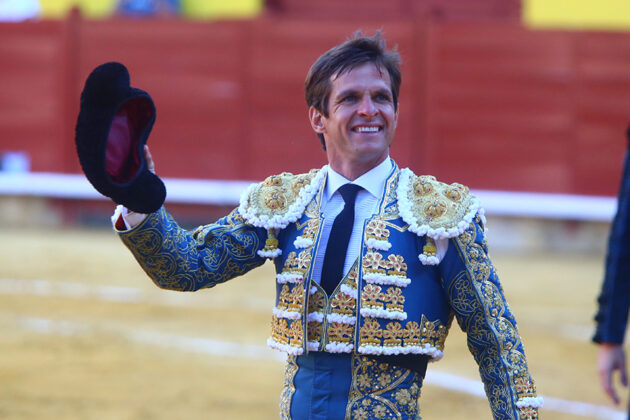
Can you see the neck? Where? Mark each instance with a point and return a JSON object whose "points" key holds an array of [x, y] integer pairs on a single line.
{"points": [[353, 170]]}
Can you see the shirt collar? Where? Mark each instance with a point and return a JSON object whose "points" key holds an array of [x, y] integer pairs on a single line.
{"points": [[373, 181]]}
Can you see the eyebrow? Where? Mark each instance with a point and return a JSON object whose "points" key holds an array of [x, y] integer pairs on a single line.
{"points": [[350, 92]]}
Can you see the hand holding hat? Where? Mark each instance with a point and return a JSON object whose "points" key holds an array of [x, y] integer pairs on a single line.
{"points": [[113, 126]]}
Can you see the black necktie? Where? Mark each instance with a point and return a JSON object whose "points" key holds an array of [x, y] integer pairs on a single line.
{"points": [[335, 257]]}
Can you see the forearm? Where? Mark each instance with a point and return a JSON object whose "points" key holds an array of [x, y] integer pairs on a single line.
{"points": [[178, 259]]}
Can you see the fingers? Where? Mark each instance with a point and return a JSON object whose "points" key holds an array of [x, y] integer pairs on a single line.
{"points": [[149, 158], [611, 358], [606, 381]]}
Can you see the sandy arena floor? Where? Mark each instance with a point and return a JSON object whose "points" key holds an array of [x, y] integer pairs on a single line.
{"points": [[86, 335]]}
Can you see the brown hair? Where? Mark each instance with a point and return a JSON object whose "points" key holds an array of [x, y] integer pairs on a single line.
{"points": [[342, 58]]}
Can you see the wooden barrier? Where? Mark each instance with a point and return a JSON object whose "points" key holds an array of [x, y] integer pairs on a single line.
{"points": [[487, 103]]}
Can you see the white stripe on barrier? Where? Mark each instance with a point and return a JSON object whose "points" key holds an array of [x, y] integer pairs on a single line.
{"points": [[254, 352], [225, 192]]}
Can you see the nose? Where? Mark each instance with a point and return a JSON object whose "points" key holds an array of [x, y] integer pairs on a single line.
{"points": [[367, 107]]}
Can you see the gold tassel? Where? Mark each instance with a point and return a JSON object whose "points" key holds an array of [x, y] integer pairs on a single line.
{"points": [[429, 249], [271, 244]]}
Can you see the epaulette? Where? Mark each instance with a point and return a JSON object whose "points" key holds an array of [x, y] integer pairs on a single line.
{"points": [[278, 201], [435, 209]]}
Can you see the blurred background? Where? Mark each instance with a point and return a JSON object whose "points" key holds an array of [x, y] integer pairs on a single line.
{"points": [[525, 101]]}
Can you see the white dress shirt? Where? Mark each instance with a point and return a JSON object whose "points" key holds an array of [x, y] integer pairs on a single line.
{"points": [[366, 205]]}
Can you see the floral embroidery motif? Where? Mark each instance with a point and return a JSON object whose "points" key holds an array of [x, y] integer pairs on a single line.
{"points": [[383, 303], [286, 335], [280, 199], [390, 271], [393, 338], [315, 327], [306, 239], [177, 259], [340, 332], [381, 390], [432, 208], [343, 304], [377, 235], [288, 388], [433, 333], [290, 302], [478, 303]]}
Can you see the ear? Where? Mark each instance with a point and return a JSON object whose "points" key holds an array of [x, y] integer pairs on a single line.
{"points": [[317, 120]]}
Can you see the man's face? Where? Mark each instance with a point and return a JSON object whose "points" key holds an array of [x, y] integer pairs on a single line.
{"points": [[361, 120]]}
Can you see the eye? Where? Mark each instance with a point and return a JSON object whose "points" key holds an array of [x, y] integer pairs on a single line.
{"points": [[349, 98], [383, 97]]}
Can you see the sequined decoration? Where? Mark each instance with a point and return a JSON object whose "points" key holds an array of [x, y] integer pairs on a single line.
{"points": [[288, 389], [493, 339], [382, 391], [178, 259]]}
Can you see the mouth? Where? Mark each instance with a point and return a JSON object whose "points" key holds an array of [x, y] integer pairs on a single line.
{"points": [[367, 129]]}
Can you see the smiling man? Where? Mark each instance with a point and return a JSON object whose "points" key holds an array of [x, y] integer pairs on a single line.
{"points": [[372, 261]]}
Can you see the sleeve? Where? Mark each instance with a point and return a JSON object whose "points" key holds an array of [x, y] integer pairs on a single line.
{"points": [[178, 259], [476, 297], [614, 299]]}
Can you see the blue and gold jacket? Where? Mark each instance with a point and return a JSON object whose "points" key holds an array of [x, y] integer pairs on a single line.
{"points": [[398, 298]]}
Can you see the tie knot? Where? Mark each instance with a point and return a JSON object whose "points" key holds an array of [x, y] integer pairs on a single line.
{"points": [[349, 192]]}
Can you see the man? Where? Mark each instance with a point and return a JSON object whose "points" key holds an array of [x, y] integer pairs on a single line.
{"points": [[614, 300], [372, 261]]}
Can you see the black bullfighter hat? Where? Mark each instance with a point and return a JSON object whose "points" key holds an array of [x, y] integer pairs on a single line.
{"points": [[113, 126]]}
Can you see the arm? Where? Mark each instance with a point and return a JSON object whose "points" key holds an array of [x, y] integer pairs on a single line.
{"points": [[614, 299], [612, 357], [476, 296], [178, 259]]}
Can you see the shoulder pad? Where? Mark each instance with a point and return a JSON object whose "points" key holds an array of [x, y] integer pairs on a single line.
{"points": [[433, 208], [280, 199]]}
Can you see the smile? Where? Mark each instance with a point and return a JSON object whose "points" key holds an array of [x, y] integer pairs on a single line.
{"points": [[367, 129]]}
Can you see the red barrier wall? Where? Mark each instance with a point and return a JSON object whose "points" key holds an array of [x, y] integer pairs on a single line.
{"points": [[490, 104]]}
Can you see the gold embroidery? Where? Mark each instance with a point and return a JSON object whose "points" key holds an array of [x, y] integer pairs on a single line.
{"points": [[311, 228], [288, 388], [178, 259], [315, 331], [394, 299], [279, 329], [395, 265], [316, 302], [433, 333], [303, 261], [393, 334], [381, 390], [296, 333], [275, 200], [284, 297], [377, 229], [343, 304], [437, 205], [493, 338], [371, 297], [340, 332], [372, 261], [370, 332], [411, 334], [277, 193]]}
